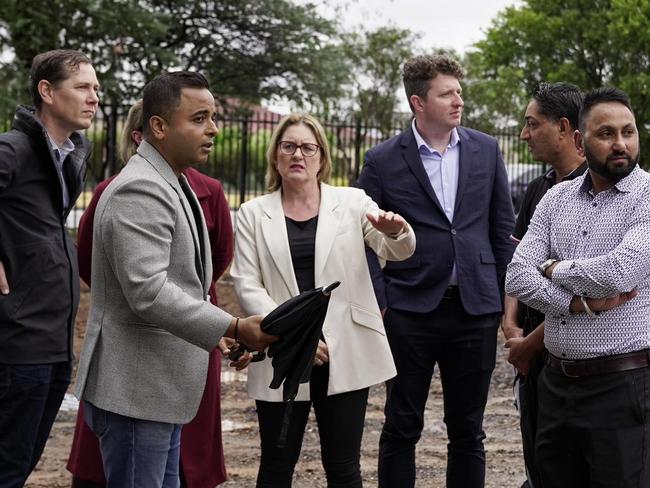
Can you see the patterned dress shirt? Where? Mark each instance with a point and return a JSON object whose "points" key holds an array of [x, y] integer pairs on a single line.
{"points": [[603, 243]]}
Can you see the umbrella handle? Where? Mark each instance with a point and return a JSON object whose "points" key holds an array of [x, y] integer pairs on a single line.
{"points": [[328, 289]]}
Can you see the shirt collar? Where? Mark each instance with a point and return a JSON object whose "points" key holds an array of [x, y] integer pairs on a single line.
{"points": [[419, 140], [630, 182], [624, 185], [63, 151], [578, 171]]}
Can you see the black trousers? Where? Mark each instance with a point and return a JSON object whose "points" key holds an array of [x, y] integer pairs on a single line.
{"points": [[593, 431], [528, 409], [340, 420], [464, 348], [30, 397]]}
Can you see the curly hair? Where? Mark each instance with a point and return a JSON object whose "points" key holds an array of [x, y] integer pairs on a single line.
{"points": [[420, 70]]}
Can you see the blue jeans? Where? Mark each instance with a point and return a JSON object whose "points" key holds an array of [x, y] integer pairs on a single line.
{"points": [[136, 453], [30, 397]]}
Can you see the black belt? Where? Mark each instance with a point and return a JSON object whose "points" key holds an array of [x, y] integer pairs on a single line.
{"points": [[452, 291], [601, 365]]}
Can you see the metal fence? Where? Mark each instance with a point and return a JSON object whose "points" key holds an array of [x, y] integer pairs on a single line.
{"points": [[238, 156]]}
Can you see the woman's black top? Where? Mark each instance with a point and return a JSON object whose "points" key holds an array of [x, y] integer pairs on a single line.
{"points": [[302, 244]]}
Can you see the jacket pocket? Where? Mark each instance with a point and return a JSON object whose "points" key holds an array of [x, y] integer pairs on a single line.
{"points": [[29, 264], [487, 257], [367, 318], [410, 263]]}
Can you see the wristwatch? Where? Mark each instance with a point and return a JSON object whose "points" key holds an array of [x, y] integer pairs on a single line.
{"points": [[545, 265]]}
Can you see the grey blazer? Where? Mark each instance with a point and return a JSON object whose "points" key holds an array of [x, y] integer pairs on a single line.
{"points": [[151, 324]]}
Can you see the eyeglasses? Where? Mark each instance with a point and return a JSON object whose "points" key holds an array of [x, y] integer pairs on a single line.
{"points": [[308, 149]]}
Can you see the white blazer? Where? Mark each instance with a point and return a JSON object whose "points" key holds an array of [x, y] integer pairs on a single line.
{"points": [[263, 274]]}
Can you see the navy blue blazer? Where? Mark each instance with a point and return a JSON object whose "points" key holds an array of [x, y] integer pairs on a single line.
{"points": [[478, 239]]}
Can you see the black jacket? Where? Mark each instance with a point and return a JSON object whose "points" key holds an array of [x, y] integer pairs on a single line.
{"points": [[40, 259]]}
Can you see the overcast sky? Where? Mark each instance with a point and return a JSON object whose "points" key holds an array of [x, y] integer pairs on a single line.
{"points": [[456, 24], [453, 24]]}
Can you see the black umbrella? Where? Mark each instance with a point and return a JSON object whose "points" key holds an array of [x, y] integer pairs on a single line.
{"points": [[298, 322]]}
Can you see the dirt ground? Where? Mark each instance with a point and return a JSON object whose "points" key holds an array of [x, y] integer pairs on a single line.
{"points": [[503, 447]]}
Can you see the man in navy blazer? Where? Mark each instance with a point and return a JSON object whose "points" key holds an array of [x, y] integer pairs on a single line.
{"points": [[442, 305]]}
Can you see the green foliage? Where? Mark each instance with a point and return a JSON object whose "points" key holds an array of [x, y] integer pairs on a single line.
{"points": [[375, 61], [249, 50], [590, 43], [236, 144]]}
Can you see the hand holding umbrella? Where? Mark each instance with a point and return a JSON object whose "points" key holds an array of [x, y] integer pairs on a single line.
{"points": [[248, 331], [322, 354], [298, 322], [239, 357]]}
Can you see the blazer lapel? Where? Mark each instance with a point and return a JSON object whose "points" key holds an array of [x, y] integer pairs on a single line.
{"points": [[411, 155], [274, 232], [328, 224], [153, 157], [468, 150], [202, 192], [189, 200]]}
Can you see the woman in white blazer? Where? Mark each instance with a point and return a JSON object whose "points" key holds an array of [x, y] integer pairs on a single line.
{"points": [[305, 234]]}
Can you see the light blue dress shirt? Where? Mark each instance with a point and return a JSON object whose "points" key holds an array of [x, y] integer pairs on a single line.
{"points": [[61, 153], [442, 170]]}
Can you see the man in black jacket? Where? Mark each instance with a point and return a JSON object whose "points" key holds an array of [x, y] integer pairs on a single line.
{"points": [[550, 122], [42, 168]]}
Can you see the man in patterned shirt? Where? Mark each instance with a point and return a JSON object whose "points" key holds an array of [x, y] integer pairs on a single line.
{"points": [[585, 263]]}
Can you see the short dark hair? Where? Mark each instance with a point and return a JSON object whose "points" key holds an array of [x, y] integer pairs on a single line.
{"points": [[418, 72], [557, 100], [602, 95], [162, 95], [53, 66]]}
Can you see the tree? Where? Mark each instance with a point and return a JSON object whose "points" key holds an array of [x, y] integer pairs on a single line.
{"points": [[249, 50], [590, 43], [376, 58]]}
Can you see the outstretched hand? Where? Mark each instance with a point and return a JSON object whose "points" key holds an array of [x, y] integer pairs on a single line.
{"points": [[387, 222]]}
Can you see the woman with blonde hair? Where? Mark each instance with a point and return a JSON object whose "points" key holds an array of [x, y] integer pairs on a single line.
{"points": [[202, 460], [304, 234]]}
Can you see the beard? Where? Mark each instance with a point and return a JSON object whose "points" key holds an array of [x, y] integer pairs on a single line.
{"points": [[608, 170]]}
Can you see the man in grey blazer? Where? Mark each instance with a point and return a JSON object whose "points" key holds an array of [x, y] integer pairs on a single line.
{"points": [[151, 325]]}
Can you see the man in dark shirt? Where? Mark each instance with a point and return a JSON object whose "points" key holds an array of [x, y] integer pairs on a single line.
{"points": [[550, 121]]}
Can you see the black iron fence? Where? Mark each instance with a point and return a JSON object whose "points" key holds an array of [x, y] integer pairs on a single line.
{"points": [[238, 157]]}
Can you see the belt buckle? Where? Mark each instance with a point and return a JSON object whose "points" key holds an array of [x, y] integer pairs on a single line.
{"points": [[562, 364]]}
